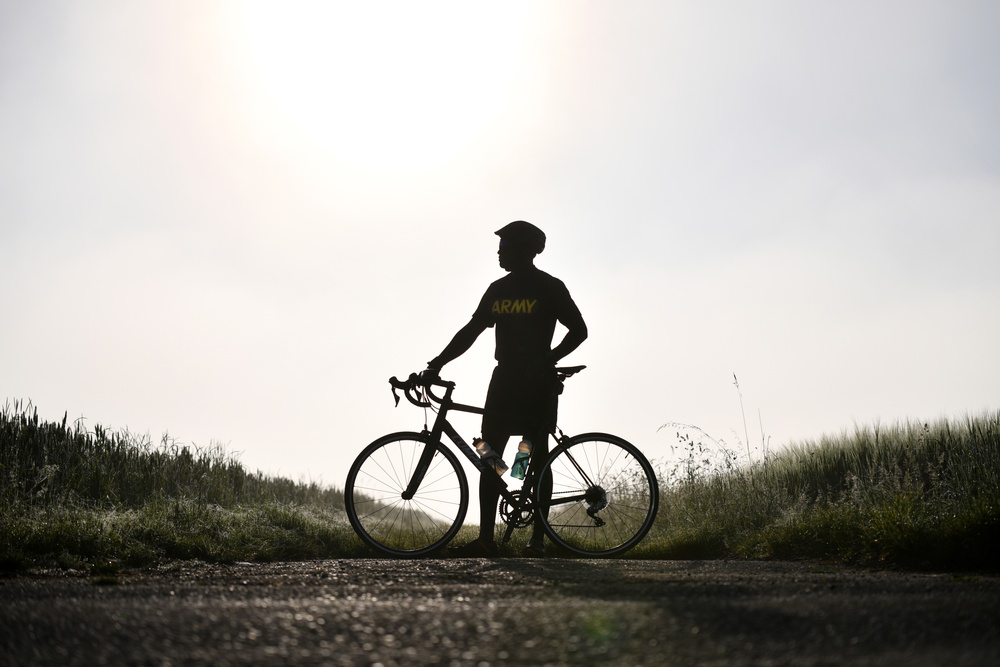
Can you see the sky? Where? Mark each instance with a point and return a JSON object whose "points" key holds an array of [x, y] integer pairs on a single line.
{"points": [[231, 222]]}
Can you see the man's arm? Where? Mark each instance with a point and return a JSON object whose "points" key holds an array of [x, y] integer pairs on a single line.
{"points": [[574, 336], [462, 341], [576, 331]]}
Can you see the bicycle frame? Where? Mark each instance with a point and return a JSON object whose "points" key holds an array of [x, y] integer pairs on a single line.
{"points": [[407, 493], [443, 427]]}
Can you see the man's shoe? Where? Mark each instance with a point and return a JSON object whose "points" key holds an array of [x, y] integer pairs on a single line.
{"points": [[478, 548], [534, 550]]}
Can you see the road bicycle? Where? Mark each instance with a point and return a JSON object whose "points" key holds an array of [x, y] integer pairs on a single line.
{"points": [[406, 494]]}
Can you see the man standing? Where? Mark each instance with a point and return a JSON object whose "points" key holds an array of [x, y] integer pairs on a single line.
{"points": [[524, 307]]}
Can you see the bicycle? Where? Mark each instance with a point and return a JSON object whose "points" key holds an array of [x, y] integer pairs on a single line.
{"points": [[406, 494]]}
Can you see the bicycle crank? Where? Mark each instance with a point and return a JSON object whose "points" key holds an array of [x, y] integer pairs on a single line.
{"points": [[519, 516]]}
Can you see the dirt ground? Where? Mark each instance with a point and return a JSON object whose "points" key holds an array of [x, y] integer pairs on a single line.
{"points": [[501, 612]]}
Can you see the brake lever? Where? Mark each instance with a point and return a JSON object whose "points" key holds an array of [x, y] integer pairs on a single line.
{"points": [[409, 389], [413, 384], [396, 384]]}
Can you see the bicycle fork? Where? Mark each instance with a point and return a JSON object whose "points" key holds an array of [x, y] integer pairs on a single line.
{"points": [[427, 457]]}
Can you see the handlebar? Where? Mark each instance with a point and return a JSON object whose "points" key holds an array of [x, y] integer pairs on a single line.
{"points": [[416, 381], [410, 386]]}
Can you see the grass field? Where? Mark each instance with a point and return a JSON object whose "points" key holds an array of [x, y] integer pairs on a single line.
{"points": [[914, 495], [103, 499]]}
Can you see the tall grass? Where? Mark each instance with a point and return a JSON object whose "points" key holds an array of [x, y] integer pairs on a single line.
{"points": [[913, 495], [75, 497], [44, 464]]}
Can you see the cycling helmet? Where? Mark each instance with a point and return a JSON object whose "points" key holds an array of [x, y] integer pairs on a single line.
{"points": [[523, 234]]}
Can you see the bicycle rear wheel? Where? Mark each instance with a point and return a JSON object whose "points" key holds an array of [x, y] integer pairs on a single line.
{"points": [[377, 504], [604, 495]]}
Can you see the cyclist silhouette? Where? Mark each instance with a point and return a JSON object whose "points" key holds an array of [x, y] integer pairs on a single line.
{"points": [[522, 399]]}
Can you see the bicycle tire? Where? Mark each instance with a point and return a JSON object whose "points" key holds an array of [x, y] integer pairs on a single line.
{"points": [[398, 527], [617, 495]]}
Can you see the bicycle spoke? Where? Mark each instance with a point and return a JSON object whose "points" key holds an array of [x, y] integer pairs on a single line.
{"points": [[604, 496], [579, 468], [398, 525]]}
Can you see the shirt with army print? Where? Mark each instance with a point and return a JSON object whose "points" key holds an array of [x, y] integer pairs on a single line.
{"points": [[524, 306]]}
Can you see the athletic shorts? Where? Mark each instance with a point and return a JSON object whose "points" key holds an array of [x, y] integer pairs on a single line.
{"points": [[522, 401]]}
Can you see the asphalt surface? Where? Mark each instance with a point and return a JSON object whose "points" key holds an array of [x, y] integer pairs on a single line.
{"points": [[501, 612]]}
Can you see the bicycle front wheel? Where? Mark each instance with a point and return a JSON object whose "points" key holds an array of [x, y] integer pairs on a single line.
{"points": [[398, 522], [604, 495]]}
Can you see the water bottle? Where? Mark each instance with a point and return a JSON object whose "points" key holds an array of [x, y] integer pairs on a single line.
{"points": [[490, 457], [520, 466]]}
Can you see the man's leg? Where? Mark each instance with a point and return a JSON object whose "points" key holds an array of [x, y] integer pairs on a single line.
{"points": [[489, 496], [539, 454]]}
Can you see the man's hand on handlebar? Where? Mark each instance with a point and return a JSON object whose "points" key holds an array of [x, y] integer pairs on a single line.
{"points": [[430, 375]]}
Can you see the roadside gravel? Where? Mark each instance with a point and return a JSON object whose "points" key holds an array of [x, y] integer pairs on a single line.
{"points": [[501, 612]]}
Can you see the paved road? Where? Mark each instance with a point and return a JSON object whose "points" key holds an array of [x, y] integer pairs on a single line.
{"points": [[506, 611]]}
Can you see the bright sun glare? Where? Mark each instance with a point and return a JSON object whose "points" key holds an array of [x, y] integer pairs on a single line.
{"points": [[380, 86]]}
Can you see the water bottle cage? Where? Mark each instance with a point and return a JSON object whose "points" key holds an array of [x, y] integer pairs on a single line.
{"points": [[519, 468], [492, 461]]}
